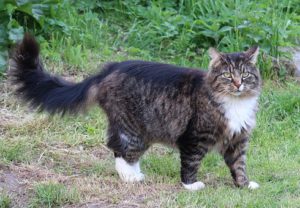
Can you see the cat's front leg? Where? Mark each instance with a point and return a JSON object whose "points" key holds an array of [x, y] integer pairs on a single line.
{"points": [[235, 158], [191, 156]]}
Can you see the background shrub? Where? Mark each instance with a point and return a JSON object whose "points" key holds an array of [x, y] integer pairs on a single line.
{"points": [[173, 31]]}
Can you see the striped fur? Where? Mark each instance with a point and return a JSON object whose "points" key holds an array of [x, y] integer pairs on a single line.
{"points": [[149, 102]]}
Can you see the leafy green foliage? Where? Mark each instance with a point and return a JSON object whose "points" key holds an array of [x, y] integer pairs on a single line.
{"points": [[173, 31], [17, 16], [189, 27]]}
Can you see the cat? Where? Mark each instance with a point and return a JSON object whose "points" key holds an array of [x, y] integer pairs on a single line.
{"points": [[146, 102]]}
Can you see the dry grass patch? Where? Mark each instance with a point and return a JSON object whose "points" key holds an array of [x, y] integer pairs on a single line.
{"points": [[21, 182]]}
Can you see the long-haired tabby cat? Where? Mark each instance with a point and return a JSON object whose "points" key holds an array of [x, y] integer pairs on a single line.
{"points": [[148, 103]]}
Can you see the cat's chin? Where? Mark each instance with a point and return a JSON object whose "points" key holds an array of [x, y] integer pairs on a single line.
{"points": [[237, 94], [241, 94]]}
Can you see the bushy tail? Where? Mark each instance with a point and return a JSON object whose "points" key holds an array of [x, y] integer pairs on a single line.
{"points": [[44, 91]]}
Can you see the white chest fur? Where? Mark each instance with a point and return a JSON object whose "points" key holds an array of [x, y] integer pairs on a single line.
{"points": [[240, 112]]}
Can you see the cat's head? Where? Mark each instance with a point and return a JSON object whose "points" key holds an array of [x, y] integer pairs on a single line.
{"points": [[234, 74]]}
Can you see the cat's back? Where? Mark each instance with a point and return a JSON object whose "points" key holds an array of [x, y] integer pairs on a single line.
{"points": [[135, 79], [159, 74]]}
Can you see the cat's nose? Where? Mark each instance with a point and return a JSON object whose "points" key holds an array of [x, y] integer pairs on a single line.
{"points": [[237, 83]]}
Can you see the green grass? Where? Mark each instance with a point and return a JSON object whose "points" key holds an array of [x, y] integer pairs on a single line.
{"points": [[5, 201], [18, 150], [53, 195]]}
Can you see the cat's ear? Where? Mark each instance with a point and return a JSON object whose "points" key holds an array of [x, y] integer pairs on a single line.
{"points": [[252, 54], [214, 54]]}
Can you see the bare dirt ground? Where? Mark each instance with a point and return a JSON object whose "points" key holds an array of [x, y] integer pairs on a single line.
{"points": [[17, 180]]}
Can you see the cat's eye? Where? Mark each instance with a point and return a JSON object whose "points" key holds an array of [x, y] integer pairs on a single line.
{"points": [[226, 75], [245, 74]]}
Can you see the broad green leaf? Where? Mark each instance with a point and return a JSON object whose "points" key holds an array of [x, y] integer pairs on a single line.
{"points": [[10, 9], [225, 29], [3, 35], [199, 22], [13, 24], [16, 34], [22, 2], [2, 6], [38, 10], [26, 8], [209, 33], [255, 37], [241, 26], [2, 60], [215, 27]]}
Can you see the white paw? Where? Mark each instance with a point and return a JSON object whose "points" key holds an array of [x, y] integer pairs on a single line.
{"points": [[129, 172], [194, 186], [134, 177], [253, 185]]}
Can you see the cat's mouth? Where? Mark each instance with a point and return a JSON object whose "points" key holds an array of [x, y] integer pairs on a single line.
{"points": [[237, 92]]}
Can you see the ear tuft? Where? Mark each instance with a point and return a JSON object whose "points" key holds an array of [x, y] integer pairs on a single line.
{"points": [[252, 54], [214, 54]]}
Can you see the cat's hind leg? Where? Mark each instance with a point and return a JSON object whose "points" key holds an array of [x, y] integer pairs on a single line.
{"points": [[127, 149]]}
